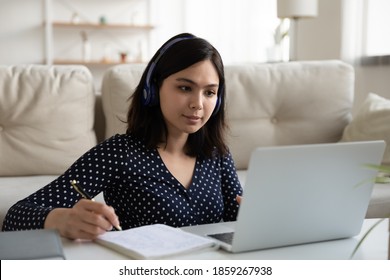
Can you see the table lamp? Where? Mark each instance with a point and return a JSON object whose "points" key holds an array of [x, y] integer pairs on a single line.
{"points": [[294, 10]]}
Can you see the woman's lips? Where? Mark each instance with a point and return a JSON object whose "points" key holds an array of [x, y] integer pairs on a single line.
{"points": [[193, 119]]}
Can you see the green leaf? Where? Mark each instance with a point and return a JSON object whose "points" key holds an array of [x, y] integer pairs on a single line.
{"points": [[383, 176], [385, 169], [365, 236], [382, 180]]}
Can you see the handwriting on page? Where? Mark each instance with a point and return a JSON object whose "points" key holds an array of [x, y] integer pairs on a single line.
{"points": [[156, 240]]}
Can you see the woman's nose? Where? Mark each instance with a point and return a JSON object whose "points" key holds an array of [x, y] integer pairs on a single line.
{"points": [[196, 101]]}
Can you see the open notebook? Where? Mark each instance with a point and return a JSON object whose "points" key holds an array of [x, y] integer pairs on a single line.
{"points": [[153, 241]]}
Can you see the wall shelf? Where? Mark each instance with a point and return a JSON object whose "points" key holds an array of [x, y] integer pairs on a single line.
{"points": [[59, 24], [90, 34], [92, 62]]}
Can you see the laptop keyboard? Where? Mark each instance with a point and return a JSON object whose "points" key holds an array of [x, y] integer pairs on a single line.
{"points": [[226, 237]]}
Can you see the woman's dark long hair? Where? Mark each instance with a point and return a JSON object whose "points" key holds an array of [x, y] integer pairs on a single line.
{"points": [[147, 122]]}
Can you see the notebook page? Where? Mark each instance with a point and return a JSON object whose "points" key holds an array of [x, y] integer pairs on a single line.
{"points": [[153, 241]]}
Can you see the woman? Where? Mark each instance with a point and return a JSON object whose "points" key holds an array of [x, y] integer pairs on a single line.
{"points": [[172, 166]]}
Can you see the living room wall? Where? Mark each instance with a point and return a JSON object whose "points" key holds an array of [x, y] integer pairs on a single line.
{"points": [[322, 38], [21, 35], [22, 40]]}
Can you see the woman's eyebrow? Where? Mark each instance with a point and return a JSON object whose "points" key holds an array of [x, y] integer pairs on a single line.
{"points": [[194, 83]]}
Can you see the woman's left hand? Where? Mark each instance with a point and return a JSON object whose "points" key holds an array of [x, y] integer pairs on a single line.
{"points": [[239, 199]]}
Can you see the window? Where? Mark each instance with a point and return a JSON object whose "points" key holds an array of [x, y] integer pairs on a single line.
{"points": [[366, 38], [241, 30], [377, 38], [375, 41]]}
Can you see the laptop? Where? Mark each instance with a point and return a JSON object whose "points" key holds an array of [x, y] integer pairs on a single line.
{"points": [[303, 194]]}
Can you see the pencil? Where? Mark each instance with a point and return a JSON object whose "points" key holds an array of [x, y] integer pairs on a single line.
{"points": [[85, 195]]}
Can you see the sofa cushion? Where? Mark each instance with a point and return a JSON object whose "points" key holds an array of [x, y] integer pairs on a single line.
{"points": [[287, 104], [372, 122], [119, 83], [267, 104], [46, 118]]}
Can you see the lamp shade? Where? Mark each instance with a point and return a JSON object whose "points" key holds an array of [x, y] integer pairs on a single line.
{"points": [[297, 8]]}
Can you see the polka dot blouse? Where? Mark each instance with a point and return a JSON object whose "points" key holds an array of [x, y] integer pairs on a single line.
{"points": [[138, 185]]}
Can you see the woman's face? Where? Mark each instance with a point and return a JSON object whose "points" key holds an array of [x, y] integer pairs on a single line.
{"points": [[188, 98]]}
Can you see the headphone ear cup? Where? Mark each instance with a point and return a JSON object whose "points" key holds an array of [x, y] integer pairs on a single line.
{"points": [[149, 97], [146, 96], [217, 105], [153, 95]]}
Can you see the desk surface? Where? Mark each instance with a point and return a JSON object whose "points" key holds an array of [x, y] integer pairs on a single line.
{"points": [[375, 247]]}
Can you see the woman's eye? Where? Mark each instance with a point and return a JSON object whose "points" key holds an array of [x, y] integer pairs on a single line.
{"points": [[184, 88], [210, 93]]}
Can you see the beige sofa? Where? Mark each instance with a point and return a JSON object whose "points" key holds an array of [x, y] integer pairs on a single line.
{"points": [[49, 116]]}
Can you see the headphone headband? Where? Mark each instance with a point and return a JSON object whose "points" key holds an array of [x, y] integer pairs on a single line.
{"points": [[150, 97]]}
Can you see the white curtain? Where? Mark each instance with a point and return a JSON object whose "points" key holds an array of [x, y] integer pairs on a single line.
{"points": [[242, 30], [353, 30]]}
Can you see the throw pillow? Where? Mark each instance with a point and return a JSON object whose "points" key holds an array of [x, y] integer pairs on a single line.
{"points": [[372, 122]]}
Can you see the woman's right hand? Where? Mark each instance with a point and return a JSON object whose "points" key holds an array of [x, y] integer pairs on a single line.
{"points": [[239, 199], [86, 220]]}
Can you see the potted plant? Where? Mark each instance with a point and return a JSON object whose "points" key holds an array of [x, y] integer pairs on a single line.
{"points": [[383, 177]]}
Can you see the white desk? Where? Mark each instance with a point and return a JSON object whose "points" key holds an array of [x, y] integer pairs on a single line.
{"points": [[375, 247]]}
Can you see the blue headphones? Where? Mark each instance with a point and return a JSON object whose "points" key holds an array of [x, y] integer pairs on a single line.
{"points": [[150, 92]]}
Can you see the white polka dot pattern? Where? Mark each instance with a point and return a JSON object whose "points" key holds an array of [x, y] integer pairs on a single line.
{"points": [[138, 185]]}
